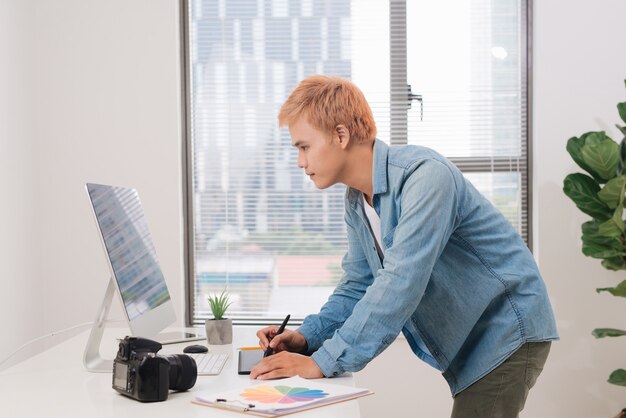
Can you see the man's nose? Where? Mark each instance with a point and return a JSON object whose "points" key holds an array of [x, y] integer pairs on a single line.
{"points": [[301, 161]]}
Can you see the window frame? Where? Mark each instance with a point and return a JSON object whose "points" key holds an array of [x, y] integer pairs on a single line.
{"points": [[466, 165]]}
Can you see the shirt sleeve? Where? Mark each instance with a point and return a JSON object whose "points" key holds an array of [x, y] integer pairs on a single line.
{"points": [[428, 214], [357, 276]]}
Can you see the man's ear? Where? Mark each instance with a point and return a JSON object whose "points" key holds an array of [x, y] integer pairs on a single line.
{"points": [[342, 135]]}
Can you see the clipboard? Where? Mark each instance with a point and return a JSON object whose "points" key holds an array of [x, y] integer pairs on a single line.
{"points": [[281, 397]]}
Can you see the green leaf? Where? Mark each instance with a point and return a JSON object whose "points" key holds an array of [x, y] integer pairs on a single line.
{"points": [[621, 108], [601, 153], [607, 332], [618, 377], [613, 192], [583, 190], [619, 290], [611, 228], [219, 304], [601, 253], [599, 246], [622, 129], [614, 227], [574, 147], [614, 263]]}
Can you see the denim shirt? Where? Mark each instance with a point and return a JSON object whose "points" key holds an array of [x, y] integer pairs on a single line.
{"points": [[456, 278]]}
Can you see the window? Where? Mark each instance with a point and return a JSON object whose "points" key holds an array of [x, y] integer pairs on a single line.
{"points": [[450, 75]]}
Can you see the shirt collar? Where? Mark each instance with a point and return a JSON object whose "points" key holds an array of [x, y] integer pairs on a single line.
{"points": [[379, 170], [379, 173]]}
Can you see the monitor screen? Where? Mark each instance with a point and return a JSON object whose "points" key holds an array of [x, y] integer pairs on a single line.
{"points": [[129, 248]]}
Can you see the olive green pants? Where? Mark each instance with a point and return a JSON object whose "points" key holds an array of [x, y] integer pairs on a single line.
{"points": [[502, 393]]}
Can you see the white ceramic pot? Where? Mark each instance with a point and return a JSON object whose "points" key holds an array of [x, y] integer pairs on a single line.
{"points": [[219, 331]]}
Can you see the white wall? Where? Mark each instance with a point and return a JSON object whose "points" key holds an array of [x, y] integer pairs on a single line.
{"points": [[91, 92], [108, 94], [20, 285]]}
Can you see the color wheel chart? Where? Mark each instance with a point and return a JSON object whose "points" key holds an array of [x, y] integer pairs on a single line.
{"points": [[282, 394]]}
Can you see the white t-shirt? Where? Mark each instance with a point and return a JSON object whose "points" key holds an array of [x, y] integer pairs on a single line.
{"points": [[374, 221]]}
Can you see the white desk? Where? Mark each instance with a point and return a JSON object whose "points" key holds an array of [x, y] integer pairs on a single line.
{"points": [[55, 384]]}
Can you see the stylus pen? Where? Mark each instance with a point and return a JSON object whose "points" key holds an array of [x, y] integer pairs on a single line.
{"points": [[269, 350]]}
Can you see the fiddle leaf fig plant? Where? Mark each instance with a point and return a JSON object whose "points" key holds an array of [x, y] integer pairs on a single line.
{"points": [[599, 193]]}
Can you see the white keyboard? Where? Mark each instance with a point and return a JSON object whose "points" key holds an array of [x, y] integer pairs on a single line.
{"points": [[209, 363]]}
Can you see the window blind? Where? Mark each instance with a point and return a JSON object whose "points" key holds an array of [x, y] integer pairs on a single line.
{"points": [[256, 224]]}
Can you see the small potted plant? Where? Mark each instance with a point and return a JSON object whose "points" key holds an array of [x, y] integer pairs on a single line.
{"points": [[219, 330]]}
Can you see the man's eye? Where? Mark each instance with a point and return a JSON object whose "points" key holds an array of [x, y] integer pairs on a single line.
{"points": [[304, 148]]}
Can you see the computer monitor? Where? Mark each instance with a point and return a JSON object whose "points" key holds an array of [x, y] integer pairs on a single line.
{"points": [[136, 275], [132, 258]]}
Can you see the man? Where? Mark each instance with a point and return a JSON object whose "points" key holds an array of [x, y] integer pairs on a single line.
{"points": [[428, 255]]}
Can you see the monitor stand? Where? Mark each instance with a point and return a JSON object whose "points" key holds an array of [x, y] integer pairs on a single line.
{"points": [[91, 358]]}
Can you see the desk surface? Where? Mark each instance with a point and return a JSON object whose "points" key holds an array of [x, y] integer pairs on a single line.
{"points": [[55, 383]]}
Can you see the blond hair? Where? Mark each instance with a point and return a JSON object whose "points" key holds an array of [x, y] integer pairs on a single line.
{"points": [[327, 102]]}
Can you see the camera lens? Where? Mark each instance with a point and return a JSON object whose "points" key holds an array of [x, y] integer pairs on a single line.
{"points": [[183, 371]]}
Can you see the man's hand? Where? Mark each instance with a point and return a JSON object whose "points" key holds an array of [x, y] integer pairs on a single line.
{"points": [[286, 341], [286, 364]]}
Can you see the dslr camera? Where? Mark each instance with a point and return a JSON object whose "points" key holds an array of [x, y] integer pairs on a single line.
{"points": [[138, 372]]}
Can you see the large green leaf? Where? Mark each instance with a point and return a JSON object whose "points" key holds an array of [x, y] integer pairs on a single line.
{"points": [[597, 245], [608, 332], [621, 108], [614, 227], [574, 146], [613, 192], [618, 377], [590, 229], [601, 153], [614, 263], [619, 290], [611, 228], [603, 253], [583, 190]]}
